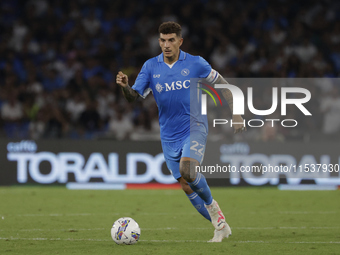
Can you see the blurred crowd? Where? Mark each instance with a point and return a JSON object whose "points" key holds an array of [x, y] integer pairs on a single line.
{"points": [[59, 59]]}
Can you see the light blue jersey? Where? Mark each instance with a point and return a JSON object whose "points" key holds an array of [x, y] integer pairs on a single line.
{"points": [[170, 86]]}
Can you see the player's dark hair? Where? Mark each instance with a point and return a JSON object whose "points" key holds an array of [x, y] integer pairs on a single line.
{"points": [[170, 27]]}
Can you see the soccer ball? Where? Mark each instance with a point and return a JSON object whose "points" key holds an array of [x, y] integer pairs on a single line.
{"points": [[125, 231]]}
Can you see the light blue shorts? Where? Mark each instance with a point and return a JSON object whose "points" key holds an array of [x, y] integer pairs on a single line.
{"points": [[193, 146]]}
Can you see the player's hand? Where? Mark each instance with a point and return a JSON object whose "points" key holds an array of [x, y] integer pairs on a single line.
{"points": [[122, 79], [238, 128]]}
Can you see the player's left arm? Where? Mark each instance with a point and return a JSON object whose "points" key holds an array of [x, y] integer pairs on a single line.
{"points": [[238, 127]]}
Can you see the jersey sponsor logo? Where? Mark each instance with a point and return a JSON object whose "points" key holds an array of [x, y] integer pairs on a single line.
{"points": [[156, 75], [177, 85], [159, 88], [185, 72]]}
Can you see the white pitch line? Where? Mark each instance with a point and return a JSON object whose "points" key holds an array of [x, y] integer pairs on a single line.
{"points": [[70, 229], [159, 213], [308, 212], [52, 239], [58, 214], [91, 214], [159, 241], [247, 228], [168, 228], [331, 242]]}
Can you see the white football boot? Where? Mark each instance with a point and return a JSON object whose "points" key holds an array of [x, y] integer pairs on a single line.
{"points": [[216, 215], [219, 235]]}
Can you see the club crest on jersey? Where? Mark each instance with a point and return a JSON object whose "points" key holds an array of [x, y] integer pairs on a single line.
{"points": [[185, 72], [159, 88]]}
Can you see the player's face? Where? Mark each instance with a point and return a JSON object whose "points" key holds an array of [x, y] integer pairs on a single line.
{"points": [[170, 44]]}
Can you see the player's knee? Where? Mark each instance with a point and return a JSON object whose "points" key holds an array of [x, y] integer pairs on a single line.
{"points": [[187, 169]]}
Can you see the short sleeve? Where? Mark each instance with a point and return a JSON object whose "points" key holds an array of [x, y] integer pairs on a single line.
{"points": [[142, 83], [206, 71]]}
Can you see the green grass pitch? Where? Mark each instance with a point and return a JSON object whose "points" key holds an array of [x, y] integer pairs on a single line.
{"points": [[54, 220]]}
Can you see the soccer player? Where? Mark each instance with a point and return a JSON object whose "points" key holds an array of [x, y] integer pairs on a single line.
{"points": [[183, 136]]}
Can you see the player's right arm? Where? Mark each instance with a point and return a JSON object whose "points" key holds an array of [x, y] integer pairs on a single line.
{"points": [[123, 81]]}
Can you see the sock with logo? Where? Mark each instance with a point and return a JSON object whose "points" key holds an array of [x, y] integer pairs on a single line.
{"points": [[198, 203], [200, 186]]}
